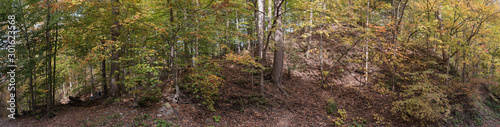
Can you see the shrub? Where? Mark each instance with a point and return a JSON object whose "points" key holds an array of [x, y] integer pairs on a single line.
{"points": [[163, 123], [152, 96], [339, 121], [216, 118], [244, 59], [424, 102], [332, 106]]}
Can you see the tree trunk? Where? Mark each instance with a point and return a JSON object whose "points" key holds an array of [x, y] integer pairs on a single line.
{"points": [[279, 54], [237, 29], [249, 28], [92, 87], [196, 41], [256, 16], [103, 75], [366, 44], [173, 58], [48, 59], [310, 31], [115, 55], [260, 37], [54, 66], [269, 14]]}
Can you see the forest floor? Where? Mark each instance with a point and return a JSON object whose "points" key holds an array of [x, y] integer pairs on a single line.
{"points": [[238, 105]]}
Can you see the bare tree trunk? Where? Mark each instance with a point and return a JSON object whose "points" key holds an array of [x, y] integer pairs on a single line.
{"points": [[172, 43], [226, 33], [104, 81], [260, 36], [394, 36], [92, 89], [256, 16], [54, 66], [196, 40], [463, 68], [448, 70], [115, 55], [366, 44], [249, 33], [48, 59], [238, 29], [279, 54], [310, 31]]}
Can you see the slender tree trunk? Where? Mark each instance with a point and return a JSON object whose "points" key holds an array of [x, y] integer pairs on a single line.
{"points": [[249, 27], [256, 16], [249, 33], [104, 81], [269, 14], [366, 44], [238, 44], [48, 59], [34, 69], [196, 40], [92, 88], [323, 76], [32, 80], [54, 66], [394, 36], [31, 69], [448, 69], [310, 31], [463, 68], [226, 34], [260, 36]]}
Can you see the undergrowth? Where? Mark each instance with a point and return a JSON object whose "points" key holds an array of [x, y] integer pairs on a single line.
{"points": [[204, 82]]}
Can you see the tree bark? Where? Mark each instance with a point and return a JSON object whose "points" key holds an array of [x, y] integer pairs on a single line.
{"points": [[366, 44], [310, 31], [238, 45], [115, 55], [103, 75], [48, 59], [260, 36], [277, 72]]}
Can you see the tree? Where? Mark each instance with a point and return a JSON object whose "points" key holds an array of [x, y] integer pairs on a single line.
{"points": [[260, 37], [48, 69], [279, 53], [115, 54]]}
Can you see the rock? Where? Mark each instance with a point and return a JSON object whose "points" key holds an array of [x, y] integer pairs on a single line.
{"points": [[166, 109], [121, 114], [167, 105], [159, 115], [169, 111], [209, 120], [133, 111], [162, 109]]}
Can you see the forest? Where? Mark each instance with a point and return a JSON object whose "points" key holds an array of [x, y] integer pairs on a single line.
{"points": [[352, 63]]}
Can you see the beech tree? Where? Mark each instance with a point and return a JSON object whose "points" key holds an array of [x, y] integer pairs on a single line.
{"points": [[279, 53]]}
